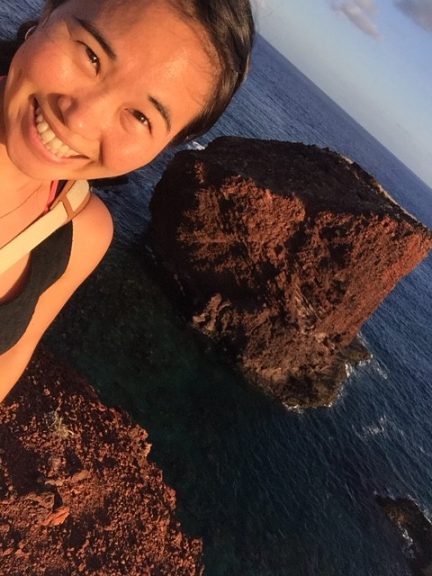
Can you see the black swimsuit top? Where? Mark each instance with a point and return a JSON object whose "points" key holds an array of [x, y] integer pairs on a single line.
{"points": [[48, 261]]}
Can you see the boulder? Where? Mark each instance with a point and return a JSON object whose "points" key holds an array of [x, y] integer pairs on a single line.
{"points": [[281, 252]]}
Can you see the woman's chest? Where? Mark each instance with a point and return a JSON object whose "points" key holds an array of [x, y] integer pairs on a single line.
{"points": [[13, 280], [11, 224]]}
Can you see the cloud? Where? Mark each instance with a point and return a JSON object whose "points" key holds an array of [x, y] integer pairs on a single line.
{"points": [[367, 5], [418, 10], [360, 13]]}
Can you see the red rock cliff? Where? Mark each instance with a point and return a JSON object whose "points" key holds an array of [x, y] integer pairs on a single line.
{"points": [[283, 251]]}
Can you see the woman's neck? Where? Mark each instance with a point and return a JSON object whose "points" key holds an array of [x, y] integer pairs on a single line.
{"points": [[16, 188], [12, 180]]}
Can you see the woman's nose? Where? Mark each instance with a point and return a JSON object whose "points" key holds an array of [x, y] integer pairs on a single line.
{"points": [[85, 114]]}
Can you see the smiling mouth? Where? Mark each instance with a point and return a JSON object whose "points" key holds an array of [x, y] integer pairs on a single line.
{"points": [[51, 142]]}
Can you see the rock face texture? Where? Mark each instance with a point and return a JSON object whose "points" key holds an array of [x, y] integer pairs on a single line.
{"points": [[78, 495], [411, 522], [282, 251]]}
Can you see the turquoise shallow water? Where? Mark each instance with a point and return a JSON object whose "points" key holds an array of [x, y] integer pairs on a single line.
{"points": [[271, 492]]}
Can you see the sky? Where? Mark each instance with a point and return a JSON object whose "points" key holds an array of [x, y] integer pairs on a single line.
{"points": [[373, 57]]}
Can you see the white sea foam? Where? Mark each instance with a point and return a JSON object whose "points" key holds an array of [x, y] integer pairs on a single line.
{"points": [[194, 145], [376, 428], [296, 408], [349, 369], [409, 543], [379, 368]]}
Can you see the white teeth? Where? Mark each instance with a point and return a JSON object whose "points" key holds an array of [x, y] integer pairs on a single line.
{"points": [[47, 136], [42, 126], [64, 149], [50, 140], [56, 144]]}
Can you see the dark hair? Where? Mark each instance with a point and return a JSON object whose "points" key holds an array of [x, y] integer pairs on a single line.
{"points": [[230, 27], [9, 47]]}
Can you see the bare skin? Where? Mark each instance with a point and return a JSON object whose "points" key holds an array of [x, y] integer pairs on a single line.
{"points": [[121, 82]]}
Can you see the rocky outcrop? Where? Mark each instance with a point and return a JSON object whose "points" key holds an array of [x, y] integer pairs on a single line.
{"points": [[282, 251], [78, 494], [415, 529]]}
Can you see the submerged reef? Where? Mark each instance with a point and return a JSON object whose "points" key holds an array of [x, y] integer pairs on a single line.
{"points": [[414, 528], [280, 252]]}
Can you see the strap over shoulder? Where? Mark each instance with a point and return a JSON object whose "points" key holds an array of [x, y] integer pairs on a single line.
{"points": [[72, 199]]}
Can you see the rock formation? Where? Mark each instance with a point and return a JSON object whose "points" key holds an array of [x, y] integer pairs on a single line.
{"points": [[282, 251], [416, 530], [78, 494]]}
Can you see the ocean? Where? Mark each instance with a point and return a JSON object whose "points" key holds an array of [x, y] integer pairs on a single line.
{"points": [[271, 492]]}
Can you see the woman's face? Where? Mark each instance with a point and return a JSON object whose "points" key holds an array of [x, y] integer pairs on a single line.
{"points": [[101, 88]]}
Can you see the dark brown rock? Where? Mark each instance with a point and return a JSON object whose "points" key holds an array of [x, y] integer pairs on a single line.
{"points": [[282, 250], [415, 529], [78, 494]]}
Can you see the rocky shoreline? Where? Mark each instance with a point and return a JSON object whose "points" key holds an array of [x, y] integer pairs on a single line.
{"points": [[78, 493]]}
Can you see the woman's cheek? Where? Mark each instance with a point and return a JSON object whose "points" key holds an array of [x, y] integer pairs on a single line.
{"points": [[119, 159], [46, 60], [121, 156]]}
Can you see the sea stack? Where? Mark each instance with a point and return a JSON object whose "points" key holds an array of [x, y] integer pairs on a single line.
{"points": [[281, 252]]}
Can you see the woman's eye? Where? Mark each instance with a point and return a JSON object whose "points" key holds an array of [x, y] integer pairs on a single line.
{"points": [[92, 57], [142, 118]]}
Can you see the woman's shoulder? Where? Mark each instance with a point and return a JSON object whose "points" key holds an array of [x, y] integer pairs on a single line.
{"points": [[92, 235]]}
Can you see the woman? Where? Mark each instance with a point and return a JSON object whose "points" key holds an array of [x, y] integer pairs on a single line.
{"points": [[97, 89]]}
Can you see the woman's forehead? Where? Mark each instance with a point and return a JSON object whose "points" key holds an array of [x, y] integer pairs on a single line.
{"points": [[120, 13], [124, 19]]}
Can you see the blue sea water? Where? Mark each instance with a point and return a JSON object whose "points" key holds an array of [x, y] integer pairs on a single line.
{"points": [[270, 491]]}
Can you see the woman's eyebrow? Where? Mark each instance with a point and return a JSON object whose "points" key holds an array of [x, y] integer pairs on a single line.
{"points": [[163, 111], [98, 36]]}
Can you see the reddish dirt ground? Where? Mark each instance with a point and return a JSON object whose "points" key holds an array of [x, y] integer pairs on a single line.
{"points": [[78, 494]]}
